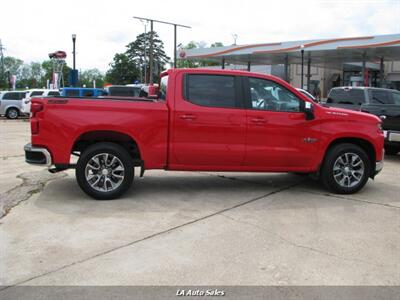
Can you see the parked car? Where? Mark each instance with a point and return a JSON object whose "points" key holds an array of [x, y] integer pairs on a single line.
{"points": [[304, 92], [26, 102], [384, 103], [205, 120], [81, 92], [11, 103]]}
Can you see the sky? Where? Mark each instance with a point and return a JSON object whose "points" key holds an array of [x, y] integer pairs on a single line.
{"points": [[31, 29]]}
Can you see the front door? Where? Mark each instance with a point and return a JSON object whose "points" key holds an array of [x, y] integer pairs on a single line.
{"points": [[208, 125], [278, 135]]}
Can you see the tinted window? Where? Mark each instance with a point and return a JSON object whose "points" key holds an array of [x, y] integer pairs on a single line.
{"points": [[396, 98], [72, 93], [268, 95], [210, 90], [380, 97], [346, 96], [36, 93], [13, 96], [54, 94], [123, 91]]}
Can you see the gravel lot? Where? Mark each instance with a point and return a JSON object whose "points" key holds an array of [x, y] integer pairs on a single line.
{"points": [[176, 228]]}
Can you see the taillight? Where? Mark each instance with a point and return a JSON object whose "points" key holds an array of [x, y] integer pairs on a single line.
{"points": [[36, 107]]}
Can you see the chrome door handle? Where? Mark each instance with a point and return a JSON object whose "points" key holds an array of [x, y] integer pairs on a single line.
{"points": [[188, 117]]}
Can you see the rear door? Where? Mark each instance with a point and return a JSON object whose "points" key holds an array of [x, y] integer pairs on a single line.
{"points": [[209, 124]]}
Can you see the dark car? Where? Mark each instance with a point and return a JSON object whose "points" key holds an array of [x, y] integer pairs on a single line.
{"points": [[384, 103]]}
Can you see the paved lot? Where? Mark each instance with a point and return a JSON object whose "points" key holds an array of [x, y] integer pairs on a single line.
{"points": [[194, 228]]}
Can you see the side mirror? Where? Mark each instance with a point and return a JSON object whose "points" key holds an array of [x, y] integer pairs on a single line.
{"points": [[309, 110], [153, 92]]}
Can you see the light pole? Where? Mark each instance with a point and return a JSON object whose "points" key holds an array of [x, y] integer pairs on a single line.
{"points": [[73, 50], [302, 66]]}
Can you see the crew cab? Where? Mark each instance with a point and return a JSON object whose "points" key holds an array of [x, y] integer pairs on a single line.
{"points": [[205, 120], [384, 103]]}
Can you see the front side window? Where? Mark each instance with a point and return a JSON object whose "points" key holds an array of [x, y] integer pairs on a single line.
{"points": [[72, 93], [268, 95], [54, 94], [211, 90], [380, 97], [396, 98]]}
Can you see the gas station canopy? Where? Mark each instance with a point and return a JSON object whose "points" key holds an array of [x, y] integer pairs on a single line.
{"points": [[323, 52]]}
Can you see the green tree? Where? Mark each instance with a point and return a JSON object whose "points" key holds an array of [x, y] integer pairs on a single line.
{"points": [[122, 70], [138, 53], [87, 77]]}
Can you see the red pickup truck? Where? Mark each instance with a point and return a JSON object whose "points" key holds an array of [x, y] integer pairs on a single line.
{"points": [[205, 120]]}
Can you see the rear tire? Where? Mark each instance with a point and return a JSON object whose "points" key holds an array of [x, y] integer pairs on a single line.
{"points": [[12, 113], [346, 169], [105, 171]]}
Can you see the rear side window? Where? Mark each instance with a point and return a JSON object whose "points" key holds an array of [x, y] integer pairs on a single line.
{"points": [[346, 96], [13, 96], [210, 90], [72, 93], [36, 93], [54, 94], [380, 97]]}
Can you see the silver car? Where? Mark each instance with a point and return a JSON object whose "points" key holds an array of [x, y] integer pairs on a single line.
{"points": [[10, 103]]}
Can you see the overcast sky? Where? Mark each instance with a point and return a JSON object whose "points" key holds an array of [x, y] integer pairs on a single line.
{"points": [[31, 29]]}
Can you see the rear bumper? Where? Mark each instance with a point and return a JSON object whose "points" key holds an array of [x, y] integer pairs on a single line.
{"points": [[37, 155]]}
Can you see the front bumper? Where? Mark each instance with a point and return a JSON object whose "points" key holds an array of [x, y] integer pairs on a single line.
{"points": [[37, 155], [392, 136]]}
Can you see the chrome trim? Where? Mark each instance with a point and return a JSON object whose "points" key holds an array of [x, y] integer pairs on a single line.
{"points": [[394, 136], [46, 153], [379, 166]]}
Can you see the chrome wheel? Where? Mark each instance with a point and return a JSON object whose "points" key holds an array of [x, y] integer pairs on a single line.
{"points": [[12, 114], [104, 172], [348, 170]]}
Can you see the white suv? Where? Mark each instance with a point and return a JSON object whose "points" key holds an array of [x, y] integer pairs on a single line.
{"points": [[26, 102]]}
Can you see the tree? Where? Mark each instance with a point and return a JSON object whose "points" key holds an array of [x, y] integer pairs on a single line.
{"points": [[47, 67], [88, 76], [138, 53], [122, 70]]}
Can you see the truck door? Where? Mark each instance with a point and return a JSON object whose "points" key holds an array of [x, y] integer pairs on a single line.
{"points": [[278, 135], [208, 125]]}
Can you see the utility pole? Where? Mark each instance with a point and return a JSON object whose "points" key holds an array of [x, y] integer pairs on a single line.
{"points": [[1, 63], [151, 63]]}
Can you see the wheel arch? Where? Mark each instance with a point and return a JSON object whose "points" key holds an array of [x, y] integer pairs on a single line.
{"points": [[364, 144], [89, 138]]}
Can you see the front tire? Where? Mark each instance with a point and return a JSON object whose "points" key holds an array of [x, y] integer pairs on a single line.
{"points": [[12, 113], [346, 169], [105, 171]]}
